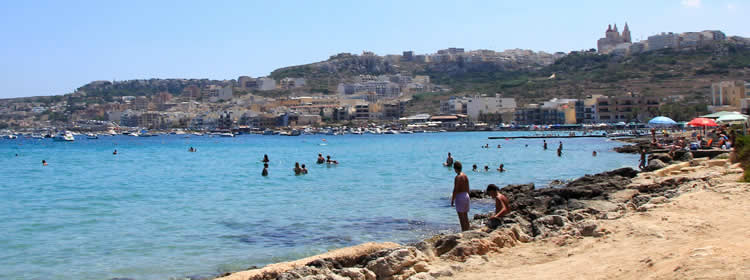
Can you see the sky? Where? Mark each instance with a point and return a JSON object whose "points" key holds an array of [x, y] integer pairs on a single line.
{"points": [[54, 47]]}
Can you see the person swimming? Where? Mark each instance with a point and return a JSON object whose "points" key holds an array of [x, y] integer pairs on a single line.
{"points": [[501, 168], [297, 169], [474, 168], [559, 152], [265, 159], [44, 163], [545, 144], [448, 161], [498, 146], [265, 170], [330, 161], [593, 154], [115, 152], [486, 168], [304, 169], [460, 197], [321, 160]]}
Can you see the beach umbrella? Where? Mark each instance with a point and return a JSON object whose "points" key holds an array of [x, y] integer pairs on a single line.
{"points": [[729, 118], [719, 114], [702, 122], [661, 121]]}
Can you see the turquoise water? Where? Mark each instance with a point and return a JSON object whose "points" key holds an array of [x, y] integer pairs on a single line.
{"points": [[156, 211]]}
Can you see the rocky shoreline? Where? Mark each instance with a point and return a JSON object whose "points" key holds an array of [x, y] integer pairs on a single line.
{"points": [[558, 214]]}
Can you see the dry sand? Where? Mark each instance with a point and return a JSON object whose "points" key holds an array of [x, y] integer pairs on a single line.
{"points": [[702, 234]]}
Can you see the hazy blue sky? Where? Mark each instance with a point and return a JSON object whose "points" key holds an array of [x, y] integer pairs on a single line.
{"points": [[53, 47]]}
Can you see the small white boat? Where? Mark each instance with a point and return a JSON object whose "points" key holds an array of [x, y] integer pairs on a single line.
{"points": [[226, 134], [9, 136], [92, 136], [64, 136]]}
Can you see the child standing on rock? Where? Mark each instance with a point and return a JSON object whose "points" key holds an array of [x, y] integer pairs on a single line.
{"points": [[502, 206]]}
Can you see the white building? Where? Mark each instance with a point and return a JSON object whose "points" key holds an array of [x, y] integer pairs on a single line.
{"points": [[663, 41], [266, 84], [490, 105], [290, 83], [220, 93]]}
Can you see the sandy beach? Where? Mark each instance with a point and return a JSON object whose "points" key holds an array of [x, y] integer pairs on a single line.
{"points": [[683, 221], [701, 234]]}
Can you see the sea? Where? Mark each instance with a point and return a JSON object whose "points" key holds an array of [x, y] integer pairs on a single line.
{"points": [[157, 211]]}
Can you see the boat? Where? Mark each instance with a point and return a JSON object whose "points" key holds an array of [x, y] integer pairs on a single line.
{"points": [[296, 132], [92, 136], [145, 133], [268, 132], [9, 136], [226, 134], [37, 136], [64, 136]]}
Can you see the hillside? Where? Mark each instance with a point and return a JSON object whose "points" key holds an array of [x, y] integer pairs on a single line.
{"points": [[683, 75], [324, 76]]}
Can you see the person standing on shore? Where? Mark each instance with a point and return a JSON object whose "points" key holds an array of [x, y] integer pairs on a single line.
{"points": [[502, 206], [642, 163], [460, 197]]}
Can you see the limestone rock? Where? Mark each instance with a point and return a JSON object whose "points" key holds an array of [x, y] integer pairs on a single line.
{"points": [[655, 164], [421, 267], [682, 155], [396, 261], [357, 273], [658, 200], [589, 229], [627, 149], [468, 248], [426, 248], [422, 276], [444, 272], [664, 157], [446, 243], [476, 194]]}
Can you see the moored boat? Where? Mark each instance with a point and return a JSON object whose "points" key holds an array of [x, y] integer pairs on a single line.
{"points": [[64, 136]]}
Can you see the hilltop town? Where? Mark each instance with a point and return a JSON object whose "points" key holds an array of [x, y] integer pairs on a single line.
{"points": [[672, 74]]}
